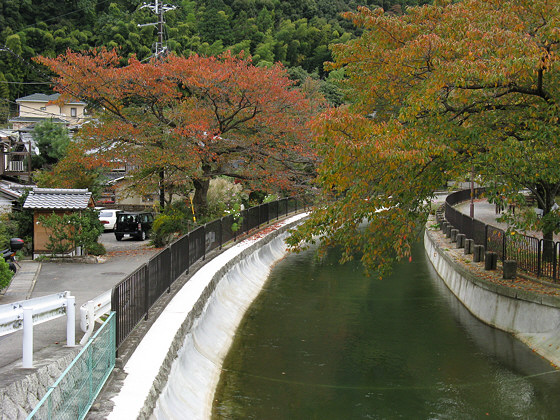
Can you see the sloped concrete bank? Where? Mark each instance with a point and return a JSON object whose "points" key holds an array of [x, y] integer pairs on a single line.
{"points": [[531, 317], [183, 326]]}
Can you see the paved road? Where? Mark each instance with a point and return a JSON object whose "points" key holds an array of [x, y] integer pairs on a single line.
{"points": [[85, 281]]}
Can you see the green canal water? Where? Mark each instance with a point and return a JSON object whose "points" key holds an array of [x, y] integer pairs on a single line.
{"points": [[323, 341]]}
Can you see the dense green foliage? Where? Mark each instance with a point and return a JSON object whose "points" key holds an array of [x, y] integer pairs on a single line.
{"points": [[69, 231], [294, 32], [52, 140], [5, 274]]}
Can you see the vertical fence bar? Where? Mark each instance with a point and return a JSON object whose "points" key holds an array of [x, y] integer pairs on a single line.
{"points": [[146, 294], [539, 261]]}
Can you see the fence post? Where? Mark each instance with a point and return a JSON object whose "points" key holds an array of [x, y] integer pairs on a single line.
{"points": [[510, 269], [27, 361], [539, 259], [221, 230], [204, 242], [469, 246], [146, 293], [554, 268], [70, 321], [115, 307], [188, 252]]}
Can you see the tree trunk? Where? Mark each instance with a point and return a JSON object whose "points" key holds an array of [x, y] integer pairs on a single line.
{"points": [[200, 200], [161, 189]]}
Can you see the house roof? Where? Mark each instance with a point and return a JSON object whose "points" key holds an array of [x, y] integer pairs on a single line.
{"points": [[41, 97], [58, 198], [37, 119], [9, 193]]}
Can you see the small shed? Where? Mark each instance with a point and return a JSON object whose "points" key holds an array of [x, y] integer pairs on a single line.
{"points": [[46, 201]]}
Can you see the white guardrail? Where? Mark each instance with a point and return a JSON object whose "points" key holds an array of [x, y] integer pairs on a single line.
{"points": [[22, 315], [93, 310]]}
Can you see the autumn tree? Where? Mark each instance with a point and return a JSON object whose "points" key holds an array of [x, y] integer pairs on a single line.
{"points": [[189, 119], [437, 91]]}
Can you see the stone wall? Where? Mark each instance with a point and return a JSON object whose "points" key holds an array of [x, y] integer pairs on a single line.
{"points": [[18, 399]]}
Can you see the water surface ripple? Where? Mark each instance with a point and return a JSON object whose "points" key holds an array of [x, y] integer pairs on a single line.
{"points": [[322, 341]]}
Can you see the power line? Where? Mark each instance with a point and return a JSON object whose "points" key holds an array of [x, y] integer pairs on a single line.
{"points": [[57, 18], [25, 83]]}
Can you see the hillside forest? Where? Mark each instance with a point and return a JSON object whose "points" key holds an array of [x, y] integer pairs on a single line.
{"points": [[297, 33]]}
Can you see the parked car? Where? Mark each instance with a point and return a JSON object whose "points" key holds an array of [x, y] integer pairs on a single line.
{"points": [[134, 224], [108, 218]]}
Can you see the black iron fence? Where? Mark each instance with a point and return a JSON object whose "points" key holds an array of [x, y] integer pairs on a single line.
{"points": [[133, 297], [537, 256]]}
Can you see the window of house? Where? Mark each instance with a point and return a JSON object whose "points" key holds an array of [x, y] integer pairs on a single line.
{"points": [[73, 112]]}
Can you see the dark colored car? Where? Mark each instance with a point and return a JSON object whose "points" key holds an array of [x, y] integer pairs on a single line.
{"points": [[134, 224]]}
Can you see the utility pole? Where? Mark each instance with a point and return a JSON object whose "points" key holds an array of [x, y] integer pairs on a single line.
{"points": [[158, 8]]}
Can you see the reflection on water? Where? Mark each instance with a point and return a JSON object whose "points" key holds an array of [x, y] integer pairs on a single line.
{"points": [[324, 342]]}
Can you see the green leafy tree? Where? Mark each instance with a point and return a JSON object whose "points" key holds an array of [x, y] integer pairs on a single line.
{"points": [[436, 91], [52, 140]]}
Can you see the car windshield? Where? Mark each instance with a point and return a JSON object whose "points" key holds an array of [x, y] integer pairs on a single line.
{"points": [[106, 214]]}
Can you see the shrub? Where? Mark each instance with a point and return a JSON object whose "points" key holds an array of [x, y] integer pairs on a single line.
{"points": [[69, 231], [175, 220], [5, 274], [96, 249]]}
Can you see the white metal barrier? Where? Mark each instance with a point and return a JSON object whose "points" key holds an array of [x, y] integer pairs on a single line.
{"points": [[22, 315], [93, 310]]}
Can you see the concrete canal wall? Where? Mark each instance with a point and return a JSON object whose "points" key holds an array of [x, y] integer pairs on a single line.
{"points": [[175, 369], [531, 317]]}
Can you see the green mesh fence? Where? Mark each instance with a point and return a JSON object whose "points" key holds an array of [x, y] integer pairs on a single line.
{"points": [[72, 395]]}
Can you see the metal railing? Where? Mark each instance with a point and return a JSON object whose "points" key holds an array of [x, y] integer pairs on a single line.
{"points": [[537, 256], [132, 298], [23, 315], [72, 395]]}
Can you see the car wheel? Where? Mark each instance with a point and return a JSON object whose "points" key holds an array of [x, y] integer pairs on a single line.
{"points": [[142, 236], [118, 237]]}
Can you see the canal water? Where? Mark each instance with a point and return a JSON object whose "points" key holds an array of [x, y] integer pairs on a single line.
{"points": [[322, 341]]}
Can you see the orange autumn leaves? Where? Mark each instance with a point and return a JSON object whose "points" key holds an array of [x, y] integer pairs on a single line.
{"points": [[436, 92], [195, 117]]}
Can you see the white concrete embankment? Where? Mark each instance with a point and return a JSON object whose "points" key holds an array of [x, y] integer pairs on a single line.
{"points": [[531, 317], [178, 363]]}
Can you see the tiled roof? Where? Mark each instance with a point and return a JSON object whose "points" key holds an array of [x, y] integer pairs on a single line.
{"points": [[37, 119], [41, 97], [57, 198]]}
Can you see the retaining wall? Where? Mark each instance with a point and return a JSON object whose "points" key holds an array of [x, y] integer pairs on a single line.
{"points": [[531, 317], [148, 368]]}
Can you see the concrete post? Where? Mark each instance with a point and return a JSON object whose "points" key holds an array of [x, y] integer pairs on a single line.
{"points": [[448, 230], [478, 253], [510, 269], [71, 321], [443, 226], [27, 361], [460, 240], [454, 233], [469, 246], [490, 260]]}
